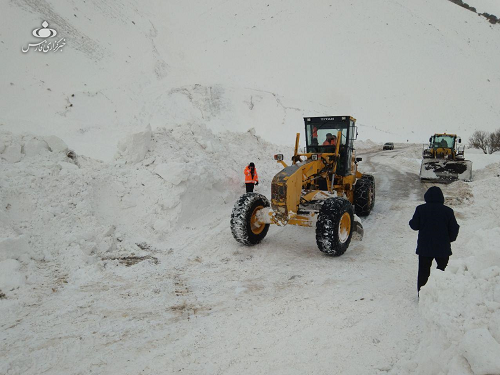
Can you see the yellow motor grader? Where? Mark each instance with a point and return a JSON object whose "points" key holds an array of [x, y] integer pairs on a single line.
{"points": [[322, 188], [444, 161]]}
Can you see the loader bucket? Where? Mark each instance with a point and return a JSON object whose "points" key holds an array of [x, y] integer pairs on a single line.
{"points": [[439, 170]]}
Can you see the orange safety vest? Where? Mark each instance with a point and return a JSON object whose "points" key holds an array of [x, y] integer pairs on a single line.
{"points": [[332, 142], [315, 132], [248, 176]]}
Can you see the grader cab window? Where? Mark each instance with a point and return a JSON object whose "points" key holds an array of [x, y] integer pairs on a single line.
{"points": [[325, 138], [322, 137]]}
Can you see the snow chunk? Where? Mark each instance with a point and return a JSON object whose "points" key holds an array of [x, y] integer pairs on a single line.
{"points": [[458, 366], [35, 147], [496, 293], [10, 277], [494, 325], [56, 144], [65, 166], [173, 172], [12, 153], [161, 226], [481, 351], [135, 146]]}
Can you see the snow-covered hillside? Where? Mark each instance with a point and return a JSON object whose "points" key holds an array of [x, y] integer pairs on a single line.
{"points": [[405, 69]]}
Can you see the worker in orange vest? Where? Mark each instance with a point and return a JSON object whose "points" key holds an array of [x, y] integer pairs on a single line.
{"points": [[331, 140], [251, 177]]}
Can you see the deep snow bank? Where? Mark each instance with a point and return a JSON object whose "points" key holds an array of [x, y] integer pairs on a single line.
{"points": [[76, 211]]}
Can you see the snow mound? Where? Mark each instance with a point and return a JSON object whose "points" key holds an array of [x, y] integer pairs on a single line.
{"points": [[481, 160], [13, 148], [481, 351], [75, 211], [366, 145]]}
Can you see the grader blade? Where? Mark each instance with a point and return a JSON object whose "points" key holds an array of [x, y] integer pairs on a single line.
{"points": [[358, 231], [446, 171]]}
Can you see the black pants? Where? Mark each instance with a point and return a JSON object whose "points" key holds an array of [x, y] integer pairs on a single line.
{"points": [[424, 268], [250, 187]]}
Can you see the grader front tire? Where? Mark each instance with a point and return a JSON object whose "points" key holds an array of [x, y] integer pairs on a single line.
{"points": [[334, 226], [245, 226]]}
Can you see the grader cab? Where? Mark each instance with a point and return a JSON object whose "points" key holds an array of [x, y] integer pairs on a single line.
{"points": [[322, 188]]}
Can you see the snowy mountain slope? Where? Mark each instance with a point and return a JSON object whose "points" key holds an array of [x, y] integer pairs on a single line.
{"points": [[484, 8], [409, 68]]}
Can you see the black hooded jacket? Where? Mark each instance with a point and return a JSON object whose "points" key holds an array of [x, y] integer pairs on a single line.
{"points": [[436, 224]]}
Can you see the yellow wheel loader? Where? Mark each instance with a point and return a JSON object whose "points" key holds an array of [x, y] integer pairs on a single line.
{"points": [[322, 188], [443, 160]]}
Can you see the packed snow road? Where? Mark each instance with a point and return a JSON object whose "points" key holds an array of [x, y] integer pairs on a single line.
{"points": [[284, 307]]}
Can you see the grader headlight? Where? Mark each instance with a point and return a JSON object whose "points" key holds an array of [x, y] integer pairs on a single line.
{"points": [[278, 157], [314, 157]]}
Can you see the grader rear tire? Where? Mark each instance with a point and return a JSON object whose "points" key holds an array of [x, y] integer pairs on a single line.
{"points": [[334, 226], [364, 195], [244, 225]]}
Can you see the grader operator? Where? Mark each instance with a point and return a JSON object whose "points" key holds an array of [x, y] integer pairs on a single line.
{"points": [[322, 188]]}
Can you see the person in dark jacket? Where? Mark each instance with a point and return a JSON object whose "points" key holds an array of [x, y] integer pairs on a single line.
{"points": [[437, 229]]}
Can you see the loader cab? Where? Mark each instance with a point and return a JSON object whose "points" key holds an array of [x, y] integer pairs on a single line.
{"points": [[317, 130], [442, 141]]}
